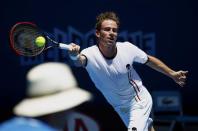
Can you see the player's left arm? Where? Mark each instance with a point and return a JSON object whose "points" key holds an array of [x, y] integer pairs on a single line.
{"points": [[178, 76]]}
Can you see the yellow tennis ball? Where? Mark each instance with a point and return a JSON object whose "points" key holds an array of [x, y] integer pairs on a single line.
{"points": [[40, 41]]}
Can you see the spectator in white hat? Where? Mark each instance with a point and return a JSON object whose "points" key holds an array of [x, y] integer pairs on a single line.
{"points": [[51, 92]]}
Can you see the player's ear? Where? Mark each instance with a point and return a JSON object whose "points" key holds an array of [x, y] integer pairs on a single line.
{"points": [[97, 33]]}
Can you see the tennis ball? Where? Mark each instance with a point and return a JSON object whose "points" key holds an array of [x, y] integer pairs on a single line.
{"points": [[40, 41]]}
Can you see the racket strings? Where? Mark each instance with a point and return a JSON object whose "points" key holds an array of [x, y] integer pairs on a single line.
{"points": [[24, 40]]}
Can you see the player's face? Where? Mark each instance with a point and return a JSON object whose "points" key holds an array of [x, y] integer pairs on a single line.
{"points": [[108, 33]]}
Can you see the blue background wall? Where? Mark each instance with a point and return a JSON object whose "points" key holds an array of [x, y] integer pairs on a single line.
{"points": [[169, 25]]}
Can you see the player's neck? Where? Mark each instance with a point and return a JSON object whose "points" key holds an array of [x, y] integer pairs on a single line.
{"points": [[108, 51]]}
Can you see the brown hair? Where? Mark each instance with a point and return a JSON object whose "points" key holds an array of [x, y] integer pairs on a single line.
{"points": [[106, 16]]}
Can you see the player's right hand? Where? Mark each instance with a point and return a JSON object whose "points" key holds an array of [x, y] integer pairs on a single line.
{"points": [[74, 49]]}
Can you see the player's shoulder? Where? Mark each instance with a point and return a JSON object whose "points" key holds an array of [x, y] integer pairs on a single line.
{"points": [[125, 44], [93, 47], [90, 50]]}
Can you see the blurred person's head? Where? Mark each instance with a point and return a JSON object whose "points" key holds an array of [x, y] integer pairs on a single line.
{"points": [[52, 91]]}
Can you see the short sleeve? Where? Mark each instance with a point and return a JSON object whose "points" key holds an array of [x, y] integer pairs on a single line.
{"points": [[139, 55], [85, 53]]}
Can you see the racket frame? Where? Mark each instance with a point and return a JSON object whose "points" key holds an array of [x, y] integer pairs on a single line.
{"points": [[55, 43]]}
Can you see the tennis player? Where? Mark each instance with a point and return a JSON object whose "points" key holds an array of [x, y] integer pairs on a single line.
{"points": [[110, 66]]}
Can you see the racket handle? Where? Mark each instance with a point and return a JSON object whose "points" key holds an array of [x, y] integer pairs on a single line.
{"points": [[64, 46], [67, 47]]}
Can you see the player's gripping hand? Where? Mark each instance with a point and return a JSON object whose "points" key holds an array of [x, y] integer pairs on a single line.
{"points": [[74, 51]]}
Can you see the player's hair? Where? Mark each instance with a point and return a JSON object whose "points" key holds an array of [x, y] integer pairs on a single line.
{"points": [[106, 16]]}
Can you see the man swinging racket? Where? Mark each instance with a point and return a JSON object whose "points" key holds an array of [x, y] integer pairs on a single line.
{"points": [[109, 65]]}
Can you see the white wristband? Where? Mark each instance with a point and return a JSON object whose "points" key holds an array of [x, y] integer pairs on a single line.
{"points": [[74, 57]]}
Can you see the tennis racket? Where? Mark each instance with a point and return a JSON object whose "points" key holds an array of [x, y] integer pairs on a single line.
{"points": [[23, 36]]}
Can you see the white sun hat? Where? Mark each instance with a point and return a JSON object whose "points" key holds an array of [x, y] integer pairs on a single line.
{"points": [[51, 88]]}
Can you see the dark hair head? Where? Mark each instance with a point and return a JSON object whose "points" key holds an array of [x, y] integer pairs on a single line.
{"points": [[106, 16]]}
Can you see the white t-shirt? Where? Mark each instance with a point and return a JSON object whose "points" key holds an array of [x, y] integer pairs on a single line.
{"points": [[112, 77]]}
